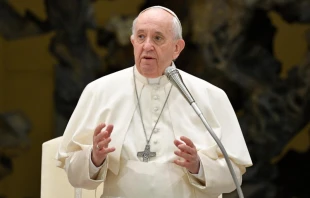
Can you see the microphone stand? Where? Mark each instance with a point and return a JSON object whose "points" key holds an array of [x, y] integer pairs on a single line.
{"points": [[175, 78], [219, 143]]}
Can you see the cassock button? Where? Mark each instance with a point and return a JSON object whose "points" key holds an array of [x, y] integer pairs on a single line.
{"points": [[156, 130], [156, 109], [155, 97], [155, 142]]}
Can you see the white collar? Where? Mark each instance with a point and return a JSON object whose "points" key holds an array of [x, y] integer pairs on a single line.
{"points": [[161, 80]]}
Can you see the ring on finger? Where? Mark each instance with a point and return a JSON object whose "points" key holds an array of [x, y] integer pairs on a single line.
{"points": [[97, 146]]}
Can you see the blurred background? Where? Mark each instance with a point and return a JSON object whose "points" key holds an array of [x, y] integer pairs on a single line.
{"points": [[258, 51]]}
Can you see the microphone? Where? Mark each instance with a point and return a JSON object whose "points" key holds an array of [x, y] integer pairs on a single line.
{"points": [[175, 78]]}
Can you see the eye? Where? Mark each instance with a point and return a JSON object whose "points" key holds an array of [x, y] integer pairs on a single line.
{"points": [[141, 36], [158, 38]]}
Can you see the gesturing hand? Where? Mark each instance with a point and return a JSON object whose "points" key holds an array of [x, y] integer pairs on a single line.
{"points": [[189, 153], [101, 140]]}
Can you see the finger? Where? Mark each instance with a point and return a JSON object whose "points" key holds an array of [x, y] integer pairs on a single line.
{"points": [[185, 156], [187, 141], [177, 143], [106, 151], [185, 148], [104, 134], [181, 163], [99, 128], [104, 143], [100, 137], [109, 130]]}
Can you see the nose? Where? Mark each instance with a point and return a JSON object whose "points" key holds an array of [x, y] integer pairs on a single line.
{"points": [[148, 45]]}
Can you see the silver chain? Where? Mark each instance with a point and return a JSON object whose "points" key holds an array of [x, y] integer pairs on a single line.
{"points": [[147, 140]]}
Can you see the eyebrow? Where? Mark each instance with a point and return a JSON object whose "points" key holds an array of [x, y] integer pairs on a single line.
{"points": [[160, 33]]}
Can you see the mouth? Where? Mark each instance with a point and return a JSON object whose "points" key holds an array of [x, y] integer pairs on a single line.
{"points": [[148, 57]]}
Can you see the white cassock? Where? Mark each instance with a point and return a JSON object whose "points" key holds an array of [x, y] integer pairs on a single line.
{"points": [[112, 99]]}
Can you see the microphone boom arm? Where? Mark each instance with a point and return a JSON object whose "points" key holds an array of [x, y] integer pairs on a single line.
{"points": [[219, 143], [175, 78]]}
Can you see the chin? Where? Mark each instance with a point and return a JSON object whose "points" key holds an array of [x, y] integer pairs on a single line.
{"points": [[148, 70], [149, 74]]}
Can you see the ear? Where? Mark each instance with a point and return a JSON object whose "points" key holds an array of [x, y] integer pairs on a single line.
{"points": [[132, 39], [179, 46]]}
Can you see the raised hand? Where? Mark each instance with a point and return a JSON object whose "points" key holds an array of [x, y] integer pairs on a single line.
{"points": [[101, 140], [188, 152]]}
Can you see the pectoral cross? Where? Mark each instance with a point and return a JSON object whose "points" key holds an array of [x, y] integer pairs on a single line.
{"points": [[146, 154]]}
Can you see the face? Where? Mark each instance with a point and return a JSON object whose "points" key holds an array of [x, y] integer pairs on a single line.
{"points": [[154, 44]]}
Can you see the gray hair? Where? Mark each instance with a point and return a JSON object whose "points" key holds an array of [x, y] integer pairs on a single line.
{"points": [[176, 24]]}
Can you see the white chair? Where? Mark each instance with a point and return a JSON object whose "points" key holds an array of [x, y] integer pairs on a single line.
{"points": [[54, 181]]}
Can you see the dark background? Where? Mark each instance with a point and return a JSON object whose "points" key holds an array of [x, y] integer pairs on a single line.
{"points": [[257, 51]]}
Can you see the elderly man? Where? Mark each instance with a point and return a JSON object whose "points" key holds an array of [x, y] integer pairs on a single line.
{"points": [[134, 131]]}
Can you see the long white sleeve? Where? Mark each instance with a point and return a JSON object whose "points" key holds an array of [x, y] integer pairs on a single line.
{"points": [[76, 164], [94, 170], [200, 175]]}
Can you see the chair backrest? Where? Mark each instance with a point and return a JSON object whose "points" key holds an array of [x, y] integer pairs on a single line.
{"points": [[54, 181]]}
